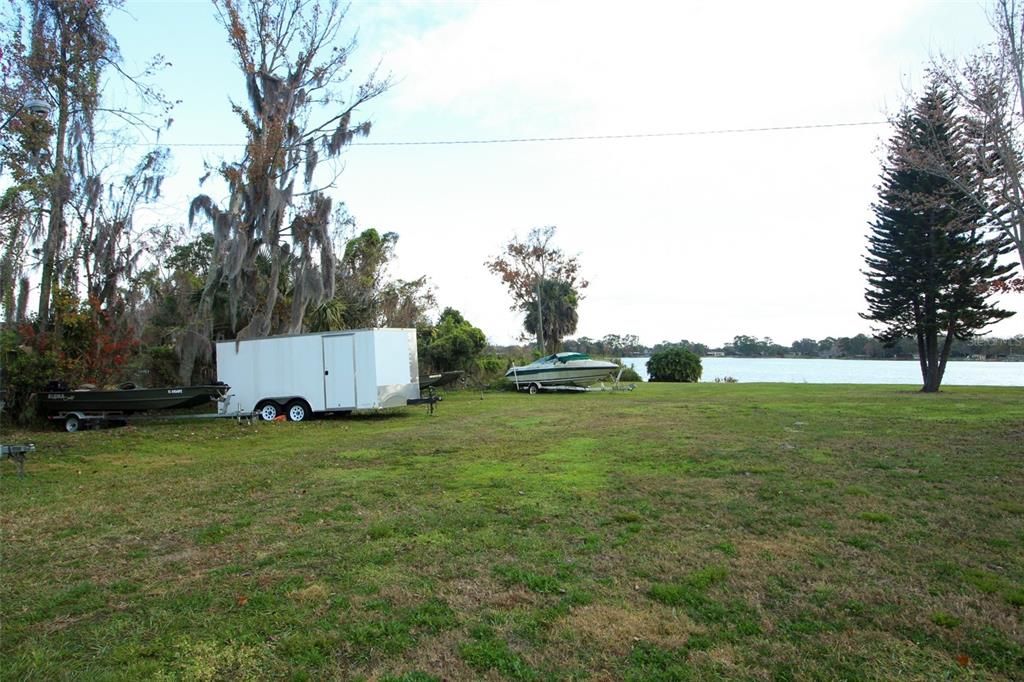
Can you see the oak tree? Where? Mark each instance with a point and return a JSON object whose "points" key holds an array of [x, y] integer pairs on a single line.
{"points": [[275, 226]]}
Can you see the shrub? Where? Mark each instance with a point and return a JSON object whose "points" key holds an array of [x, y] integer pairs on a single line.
{"points": [[25, 370], [488, 371], [155, 366], [454, 343], [491, 367], [628, 373], [674, 364]]}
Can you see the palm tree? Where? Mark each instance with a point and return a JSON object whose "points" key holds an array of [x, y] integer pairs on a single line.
{"points": [[558, 312]]}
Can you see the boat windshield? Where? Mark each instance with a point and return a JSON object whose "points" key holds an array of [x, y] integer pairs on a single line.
{"points": [[563, 357]]}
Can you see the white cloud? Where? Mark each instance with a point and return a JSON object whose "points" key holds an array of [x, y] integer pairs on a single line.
{"points": [[700, 237], [695, 61], [703, 237]]}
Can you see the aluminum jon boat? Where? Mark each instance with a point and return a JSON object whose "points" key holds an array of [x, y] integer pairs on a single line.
{"points": [[128, 400], [561, 369]]}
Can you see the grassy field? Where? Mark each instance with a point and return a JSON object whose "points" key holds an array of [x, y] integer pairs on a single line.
{"points": [[676, 532]]}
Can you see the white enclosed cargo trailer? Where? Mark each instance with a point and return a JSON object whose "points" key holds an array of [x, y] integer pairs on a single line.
{"points": [[303, 374]]}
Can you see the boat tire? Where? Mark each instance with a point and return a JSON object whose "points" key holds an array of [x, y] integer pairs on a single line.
{"points": [[72, 423], [534, 388], [297, 411], [268, 410]]}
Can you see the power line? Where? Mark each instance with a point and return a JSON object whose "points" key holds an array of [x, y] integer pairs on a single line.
{"points": [[626, 136], [566, 138]]}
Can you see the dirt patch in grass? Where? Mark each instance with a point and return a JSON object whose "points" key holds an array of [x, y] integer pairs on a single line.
{"points": [[616, 629], [437, 655], [185, 556], [314, 594], [752, 553], [725, 659], [472, 594]]}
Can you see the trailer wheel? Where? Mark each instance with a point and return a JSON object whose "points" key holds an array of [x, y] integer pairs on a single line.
{"points": [[268, 410], [297, 411], [71, 423], [534, 388]]}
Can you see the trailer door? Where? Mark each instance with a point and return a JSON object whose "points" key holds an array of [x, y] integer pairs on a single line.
{"points": [[339, 372]]}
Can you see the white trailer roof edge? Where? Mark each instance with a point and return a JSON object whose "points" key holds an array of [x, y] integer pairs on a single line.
{"points": [[333, 332]]}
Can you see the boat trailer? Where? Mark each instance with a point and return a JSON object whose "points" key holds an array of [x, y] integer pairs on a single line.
{"points": [[534, 387], [74, 421], [77, 420]]}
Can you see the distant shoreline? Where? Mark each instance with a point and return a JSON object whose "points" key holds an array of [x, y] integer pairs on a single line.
{"points": [[851, 371], [805, 357]]}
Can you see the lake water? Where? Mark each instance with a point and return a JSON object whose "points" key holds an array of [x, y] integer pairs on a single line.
{"points": [[815, 371]]}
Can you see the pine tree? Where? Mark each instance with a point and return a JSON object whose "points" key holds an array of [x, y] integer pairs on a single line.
{"points": [[930, 262]]}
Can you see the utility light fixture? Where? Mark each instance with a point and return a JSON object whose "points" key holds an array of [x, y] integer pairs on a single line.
{"points": [[37, 107], [33, 105]]}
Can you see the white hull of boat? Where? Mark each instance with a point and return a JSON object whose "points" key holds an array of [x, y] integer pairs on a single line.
{"points": [[546, 372]]}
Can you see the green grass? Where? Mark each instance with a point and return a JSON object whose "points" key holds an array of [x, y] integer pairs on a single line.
{"points": [[675, 532]]}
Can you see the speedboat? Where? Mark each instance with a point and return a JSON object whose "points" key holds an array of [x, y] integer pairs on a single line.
{"points": [[561, 369]]}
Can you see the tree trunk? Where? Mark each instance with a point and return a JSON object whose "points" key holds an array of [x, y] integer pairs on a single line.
{"points": [[540, 320], [932, 379], [922, 350], [260, 324], [8, 276], [22, 311], [55, 223], [932, 376], [928, 336], [947, 346]]}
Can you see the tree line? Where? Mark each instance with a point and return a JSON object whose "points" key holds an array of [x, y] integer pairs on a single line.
{"points": [[116, 300], [858, 346]]}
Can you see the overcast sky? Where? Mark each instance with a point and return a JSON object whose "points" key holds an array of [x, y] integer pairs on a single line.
{"points": [[697, 236]]}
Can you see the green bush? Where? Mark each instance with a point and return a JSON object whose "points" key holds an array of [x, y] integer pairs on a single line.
{"points": [[25, 371], [674, 364], [155, 366], [454, 343], [490, 368], [628, 373]]}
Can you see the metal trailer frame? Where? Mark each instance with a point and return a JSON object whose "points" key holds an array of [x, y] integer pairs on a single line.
{"points": [[76, 420], [535, 388]]}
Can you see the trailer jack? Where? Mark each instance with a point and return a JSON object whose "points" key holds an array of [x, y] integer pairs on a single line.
{"points": [[430, 400]]}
